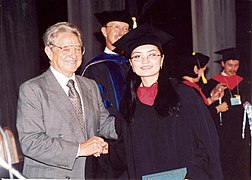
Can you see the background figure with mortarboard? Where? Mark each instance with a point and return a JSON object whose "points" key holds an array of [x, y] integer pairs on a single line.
{"points": [[235, 157], [191, 70], [109, 70]]}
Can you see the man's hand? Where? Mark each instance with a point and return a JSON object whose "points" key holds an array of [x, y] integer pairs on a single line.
{"points": [[93, 146], [217, 92], [223, 107]]}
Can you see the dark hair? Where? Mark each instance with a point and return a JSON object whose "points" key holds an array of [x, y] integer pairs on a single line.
{"points": [[166, 102]]}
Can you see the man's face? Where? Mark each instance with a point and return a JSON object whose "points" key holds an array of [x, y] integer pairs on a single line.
{"points": [[65, 54], [113, 31], [230, 67]]}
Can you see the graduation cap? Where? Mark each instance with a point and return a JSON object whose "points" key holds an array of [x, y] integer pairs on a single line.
{"points": [[143, 34], [228, 54], [199, 59], [108, 16], [188, 61]]}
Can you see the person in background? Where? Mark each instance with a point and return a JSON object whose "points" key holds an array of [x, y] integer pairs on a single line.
{"points": [[60, 115], [234, 149], [162, 125], [191, 70], [108, 68]]}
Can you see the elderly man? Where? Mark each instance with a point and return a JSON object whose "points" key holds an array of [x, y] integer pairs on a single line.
{"points": [[60, 115]]}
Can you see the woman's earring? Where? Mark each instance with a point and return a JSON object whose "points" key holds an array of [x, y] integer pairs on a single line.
{"points": [[161, 66]]}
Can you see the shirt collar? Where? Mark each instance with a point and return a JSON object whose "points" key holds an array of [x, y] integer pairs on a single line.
{"points": [[108, 51], [223, 73], [61, 78]]}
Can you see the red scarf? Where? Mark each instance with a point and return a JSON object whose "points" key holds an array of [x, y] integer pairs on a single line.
{"points": [[147, 95], [196, 86], [230, 81]]}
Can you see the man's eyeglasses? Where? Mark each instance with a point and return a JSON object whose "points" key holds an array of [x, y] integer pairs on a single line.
{"points": [[139, 58], [67, 49], [118, 28]]}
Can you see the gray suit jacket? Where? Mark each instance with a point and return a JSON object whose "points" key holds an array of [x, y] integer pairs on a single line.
{"points": [[48, 129]]}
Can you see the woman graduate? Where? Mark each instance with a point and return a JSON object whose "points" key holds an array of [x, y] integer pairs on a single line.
{"points": [[161, 125]]}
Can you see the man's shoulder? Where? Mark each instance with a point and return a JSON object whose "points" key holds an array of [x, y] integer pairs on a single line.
{"points": [[102, 56], [37, 79], [36, 84], [104, 59]]}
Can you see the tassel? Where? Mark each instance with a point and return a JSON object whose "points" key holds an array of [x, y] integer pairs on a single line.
{"points": [[203, 75], [134, 22], [204, 78]]}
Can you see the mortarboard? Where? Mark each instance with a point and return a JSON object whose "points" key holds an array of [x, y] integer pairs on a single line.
{"points": [[143, 34], [200, 59], [228, 54], [108, 16], [188, 61]]}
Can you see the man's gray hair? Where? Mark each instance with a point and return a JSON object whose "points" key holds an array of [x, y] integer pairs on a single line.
{"points": [[52, 32]]}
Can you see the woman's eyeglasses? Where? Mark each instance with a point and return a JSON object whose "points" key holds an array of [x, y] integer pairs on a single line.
{"points": [[152, 56]]}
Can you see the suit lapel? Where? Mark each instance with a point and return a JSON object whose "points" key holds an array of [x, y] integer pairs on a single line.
{"points": [[63, 104], [86, 94]]}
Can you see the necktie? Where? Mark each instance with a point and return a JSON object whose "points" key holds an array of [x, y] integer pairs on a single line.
{"points": [[76, 102]]}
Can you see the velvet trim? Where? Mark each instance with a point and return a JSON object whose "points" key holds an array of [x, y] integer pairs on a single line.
{"points": [[147, 95], [230, 81]]}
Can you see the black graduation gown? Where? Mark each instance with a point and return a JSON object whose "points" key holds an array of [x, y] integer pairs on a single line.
{"points": [[109, 71], [235, 151], [197, 88], [152, 144]]}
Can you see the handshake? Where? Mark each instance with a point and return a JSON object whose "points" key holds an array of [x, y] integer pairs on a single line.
{"points": [[94, 146]]}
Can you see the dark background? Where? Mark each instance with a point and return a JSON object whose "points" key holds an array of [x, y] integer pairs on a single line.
{"points": [[173, 16]]}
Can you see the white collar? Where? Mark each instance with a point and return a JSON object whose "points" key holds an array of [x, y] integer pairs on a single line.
{"points": [[108, 51], [62, 79]]}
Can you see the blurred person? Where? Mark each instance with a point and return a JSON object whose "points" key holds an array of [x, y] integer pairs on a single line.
{"points": [[55, 134], [191, 71], [162, 125], [108, 68], [234, 150]]}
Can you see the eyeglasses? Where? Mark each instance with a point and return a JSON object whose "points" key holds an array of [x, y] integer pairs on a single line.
{"points": [[67, 49], [138, 58], [118, 28]]}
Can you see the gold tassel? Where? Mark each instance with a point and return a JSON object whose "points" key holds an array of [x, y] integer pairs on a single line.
{"points": [[204, 78], [134, 22]]}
